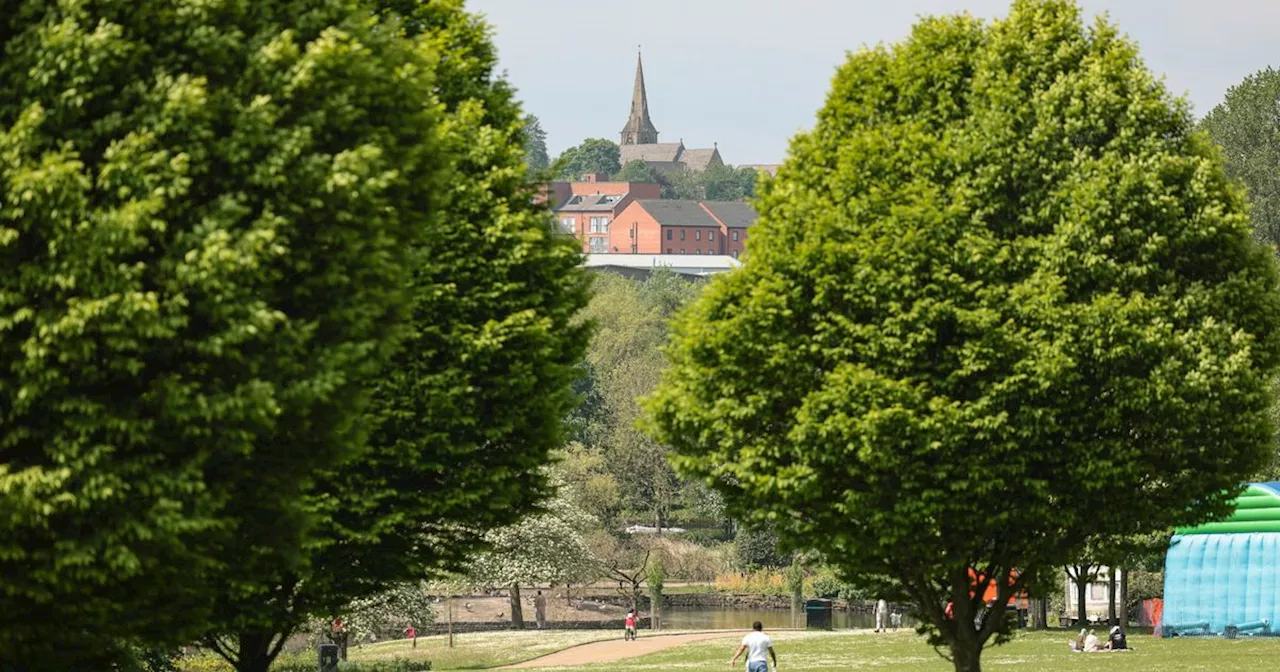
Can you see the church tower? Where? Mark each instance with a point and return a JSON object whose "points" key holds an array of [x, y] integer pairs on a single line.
{"points": [[639, 129]]}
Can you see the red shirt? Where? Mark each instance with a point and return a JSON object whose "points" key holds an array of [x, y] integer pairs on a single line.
{"points": [[410, 632], [631, 620]]}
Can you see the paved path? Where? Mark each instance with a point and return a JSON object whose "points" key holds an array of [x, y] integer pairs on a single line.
{"points": [[617, 649]]}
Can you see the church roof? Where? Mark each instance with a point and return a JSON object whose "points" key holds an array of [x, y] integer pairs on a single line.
{"points": [[671, 212], [734, 214], [658, 151], [699, 160]]}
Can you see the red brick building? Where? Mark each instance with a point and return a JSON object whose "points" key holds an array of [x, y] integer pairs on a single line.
{"points": [[649, 226], [588, 208]]}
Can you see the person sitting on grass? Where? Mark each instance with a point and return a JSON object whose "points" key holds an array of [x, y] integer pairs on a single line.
{"points": [[1078, 644], [1117, 641], [1092, 643], [756, 644]]}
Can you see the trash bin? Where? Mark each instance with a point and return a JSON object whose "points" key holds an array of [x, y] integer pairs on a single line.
{"points": [[817, 614], [328, 658]]}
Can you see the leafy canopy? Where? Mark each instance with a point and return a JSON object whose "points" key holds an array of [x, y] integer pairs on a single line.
{"points": [[1002, 299], [1247, 126], [205, 212], [594, 155], [473, 401]]}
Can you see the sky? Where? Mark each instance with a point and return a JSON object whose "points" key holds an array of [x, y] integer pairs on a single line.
{"points": [[747, 75]]}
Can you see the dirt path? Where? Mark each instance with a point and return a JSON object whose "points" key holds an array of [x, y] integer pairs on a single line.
{"points": [[617, 649]]}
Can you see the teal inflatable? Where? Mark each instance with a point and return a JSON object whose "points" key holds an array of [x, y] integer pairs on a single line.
{"points": [[1227, 573]]}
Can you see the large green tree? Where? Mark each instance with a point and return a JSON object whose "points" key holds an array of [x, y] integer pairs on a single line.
{"points": [[535, 144], [1002, 300], [205, 216], [594, 155], [473, 402], [1247, 126]]}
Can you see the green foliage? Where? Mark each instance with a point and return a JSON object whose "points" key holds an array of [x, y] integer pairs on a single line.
{"points": [[205, 223], [594, 155], [1002, 300], [1247, 127], [624, 361], [726, 183], [535, 144], [757, 548], [638, 171], [471, 406]]}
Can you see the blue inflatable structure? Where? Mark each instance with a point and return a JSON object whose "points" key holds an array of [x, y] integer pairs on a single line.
{"points": [[1224, 577]]}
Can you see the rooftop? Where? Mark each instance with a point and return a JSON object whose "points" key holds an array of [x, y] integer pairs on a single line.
{"points": [[677, 212]]}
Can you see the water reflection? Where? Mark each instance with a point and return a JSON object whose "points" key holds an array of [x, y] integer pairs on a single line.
{"points": [[741, 619]]}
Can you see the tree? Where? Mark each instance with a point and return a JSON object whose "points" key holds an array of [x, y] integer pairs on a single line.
{"points": [[726, 183], [655, 577], [535, 144], [757, 547], [205, 226], [1002, 301], [594, 155], [546, 548], [1247, 126], [683, 184], [638, 171], [466, 415]]}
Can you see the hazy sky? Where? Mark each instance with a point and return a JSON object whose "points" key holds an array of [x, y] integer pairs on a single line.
{"points": [[748, 74]]}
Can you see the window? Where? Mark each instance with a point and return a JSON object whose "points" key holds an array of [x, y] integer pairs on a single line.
{"points": [[698, 252], [668, 250], [710, 251], [711, 236], [682, 250], [599, 244], [1097, 591], [566, 225], [697, 235], [668, 234], [599, 225], [735, 254], [681, 234], [735, 235]]}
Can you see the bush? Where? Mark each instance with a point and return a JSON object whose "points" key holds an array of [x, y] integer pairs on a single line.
{"points": [[758, 547], [687, 561]]}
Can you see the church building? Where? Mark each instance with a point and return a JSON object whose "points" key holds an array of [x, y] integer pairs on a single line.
{"points": [[639, 139]]}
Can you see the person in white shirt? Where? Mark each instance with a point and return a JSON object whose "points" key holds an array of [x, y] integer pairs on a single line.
{"points": [[1091, 642], [882, 613], [757, 644]]}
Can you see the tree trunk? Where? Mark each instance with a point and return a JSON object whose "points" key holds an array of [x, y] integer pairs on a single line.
{"points": [[517, 612], [1111, 597], [255, 653], [967, 656], [1043, 608], [1082, 590], [1124, 599]]}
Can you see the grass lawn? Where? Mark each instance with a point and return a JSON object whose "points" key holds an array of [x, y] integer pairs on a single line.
{"points": [[823, 652], [481, 649]]}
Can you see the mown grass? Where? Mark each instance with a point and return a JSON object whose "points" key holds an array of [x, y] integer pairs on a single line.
{"points": [[828, 652]]}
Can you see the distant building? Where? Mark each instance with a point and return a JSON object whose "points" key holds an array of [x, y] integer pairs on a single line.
{"points": [[640, 266], [648, 226], [587, 209], [639, 139], [771, 168]]}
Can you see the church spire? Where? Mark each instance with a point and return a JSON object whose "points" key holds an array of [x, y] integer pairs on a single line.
{"points": [[639, 129]]}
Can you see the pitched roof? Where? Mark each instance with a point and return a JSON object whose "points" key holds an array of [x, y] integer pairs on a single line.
{"points": [[677, 213], [658, 151], [591, 203], [698, 160], [734, 214]]}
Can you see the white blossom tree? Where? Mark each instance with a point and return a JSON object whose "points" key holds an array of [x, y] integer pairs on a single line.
{"points": [[547, 547]]}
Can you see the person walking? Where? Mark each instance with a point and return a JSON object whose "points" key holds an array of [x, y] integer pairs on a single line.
{"points": [[412, 633], [540, 610], [882, 613], [759, 650]]}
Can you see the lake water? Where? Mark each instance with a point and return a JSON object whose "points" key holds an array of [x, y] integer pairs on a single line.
{"points": [[730, 619]]}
